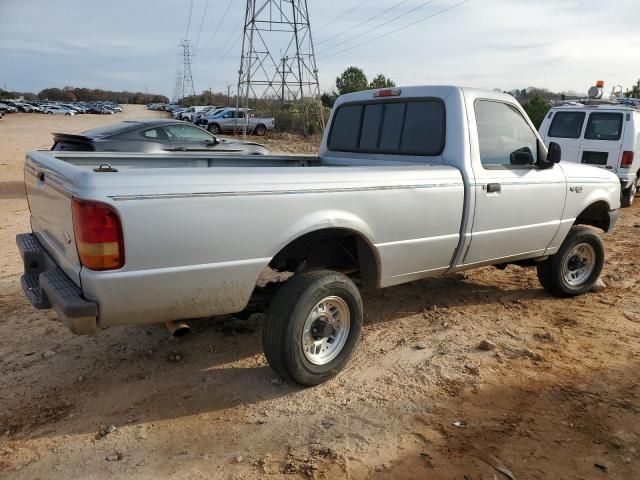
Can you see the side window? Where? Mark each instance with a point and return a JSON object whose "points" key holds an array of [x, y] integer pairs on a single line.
{"points": [[604, 126], [228, 115], [154, 134], [187, 133], [504, 136], [567, 125]]}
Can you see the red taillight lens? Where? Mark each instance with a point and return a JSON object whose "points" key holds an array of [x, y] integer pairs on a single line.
{"points": [[98, 234], [386, 92], [627, 159]]}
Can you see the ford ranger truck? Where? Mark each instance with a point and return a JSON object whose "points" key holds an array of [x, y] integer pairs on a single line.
{"points": [[409, 183]]}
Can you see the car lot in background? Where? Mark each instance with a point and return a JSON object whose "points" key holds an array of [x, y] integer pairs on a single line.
{"points": [[57, 110], [152, 136]]}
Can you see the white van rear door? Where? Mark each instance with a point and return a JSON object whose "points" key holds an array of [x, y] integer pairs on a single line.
{"points": [[601, 145], [565, 128]]}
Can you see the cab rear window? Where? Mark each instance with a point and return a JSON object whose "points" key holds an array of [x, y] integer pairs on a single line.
{"points": [[414, 127], [567, 125], [604, 126]]}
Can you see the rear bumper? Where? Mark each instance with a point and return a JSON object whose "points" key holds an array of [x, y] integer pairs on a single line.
{"points": [[626, 178], [46, 286]]}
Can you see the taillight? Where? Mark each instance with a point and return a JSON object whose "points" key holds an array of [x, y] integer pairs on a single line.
{"points": [[98, 234], [627, 159], [386, 92]]}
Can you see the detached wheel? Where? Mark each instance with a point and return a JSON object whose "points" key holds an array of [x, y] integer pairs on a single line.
{"points": [[260, 130], [214, 128], [312, 326], [577, 265]]}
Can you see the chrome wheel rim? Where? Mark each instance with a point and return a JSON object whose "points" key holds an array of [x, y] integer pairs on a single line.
{"points": [[326, 330], [579, 264]]}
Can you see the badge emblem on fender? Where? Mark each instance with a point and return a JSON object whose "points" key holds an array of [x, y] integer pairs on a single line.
{"points": [[576, 189]]}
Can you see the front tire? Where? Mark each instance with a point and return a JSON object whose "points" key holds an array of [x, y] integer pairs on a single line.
{"points": [[214, 128], [312, 326], [577, 265]]}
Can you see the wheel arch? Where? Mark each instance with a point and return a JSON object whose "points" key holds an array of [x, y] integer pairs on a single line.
{"points": [[597, 214], [334, 247]]}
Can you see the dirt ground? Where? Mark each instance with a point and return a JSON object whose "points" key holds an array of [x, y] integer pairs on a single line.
{"points": [[558, 398]]}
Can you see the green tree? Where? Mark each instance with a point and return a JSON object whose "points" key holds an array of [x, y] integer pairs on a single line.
{"points": [[352, 79], [380, 81], [635, 91], [328, 99], [536, 108]]}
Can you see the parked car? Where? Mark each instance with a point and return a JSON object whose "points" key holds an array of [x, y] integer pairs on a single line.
{"points": [[152, 136], [199, 117], [56, 110], [233, 120], [604, 135], [6, 108], [410, 183], [188, 113]]}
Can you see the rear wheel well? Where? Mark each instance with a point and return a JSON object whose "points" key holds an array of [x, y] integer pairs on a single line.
{"points": [[334, 249], [596, 215]]}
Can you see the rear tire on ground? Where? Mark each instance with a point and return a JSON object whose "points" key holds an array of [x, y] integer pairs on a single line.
{"points": [[260, 130], [577, 265], [312, 326]]}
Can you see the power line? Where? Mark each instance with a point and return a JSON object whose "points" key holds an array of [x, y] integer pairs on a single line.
{"points": [[342, 15], [204, 15], [215, 32], [451, 7], [397, 17], [235, 38], [362, 23], [186, 35]]}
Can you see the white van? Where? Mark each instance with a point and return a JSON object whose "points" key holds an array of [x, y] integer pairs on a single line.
{"points": [[605, 135]]}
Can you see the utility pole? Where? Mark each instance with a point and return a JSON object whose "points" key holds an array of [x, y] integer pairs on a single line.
{"points": [[228, 95], [268, 25]]}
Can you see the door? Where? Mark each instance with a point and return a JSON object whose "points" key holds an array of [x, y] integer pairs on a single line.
{"points": [[565, 129], [518, 206], [184, 137], [601, 144]]}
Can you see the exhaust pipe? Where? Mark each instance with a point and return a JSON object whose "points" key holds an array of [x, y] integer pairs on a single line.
{"points": [[177, 328]]}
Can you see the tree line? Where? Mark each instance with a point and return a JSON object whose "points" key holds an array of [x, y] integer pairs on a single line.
{"points": [[76, 94]]}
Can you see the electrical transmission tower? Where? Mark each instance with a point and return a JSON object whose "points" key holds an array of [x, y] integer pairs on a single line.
{"points": [[278, 62], [187, 88], [177, 88]]}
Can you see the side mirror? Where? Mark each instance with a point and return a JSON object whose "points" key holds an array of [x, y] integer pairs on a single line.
{"points": [[522, 156], [554, 154]]}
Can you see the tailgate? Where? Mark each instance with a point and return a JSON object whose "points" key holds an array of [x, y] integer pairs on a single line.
{"points": [[51, 217]]}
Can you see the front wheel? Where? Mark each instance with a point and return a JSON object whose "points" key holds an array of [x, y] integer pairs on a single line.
{"points": [[312, 326], [214, 128], [577, 265]]}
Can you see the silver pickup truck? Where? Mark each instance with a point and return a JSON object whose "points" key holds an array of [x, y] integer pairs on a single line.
{"points": [[409, 183], [233, 120]]}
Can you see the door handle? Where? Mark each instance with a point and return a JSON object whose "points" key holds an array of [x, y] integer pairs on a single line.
{"points": [[180, 149], [493, 188]]}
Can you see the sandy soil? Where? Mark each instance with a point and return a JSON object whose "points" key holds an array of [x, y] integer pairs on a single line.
{"points": [[559, 397]]}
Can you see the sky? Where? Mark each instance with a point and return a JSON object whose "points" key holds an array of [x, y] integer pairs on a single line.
{"points": [[132, 45]]}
